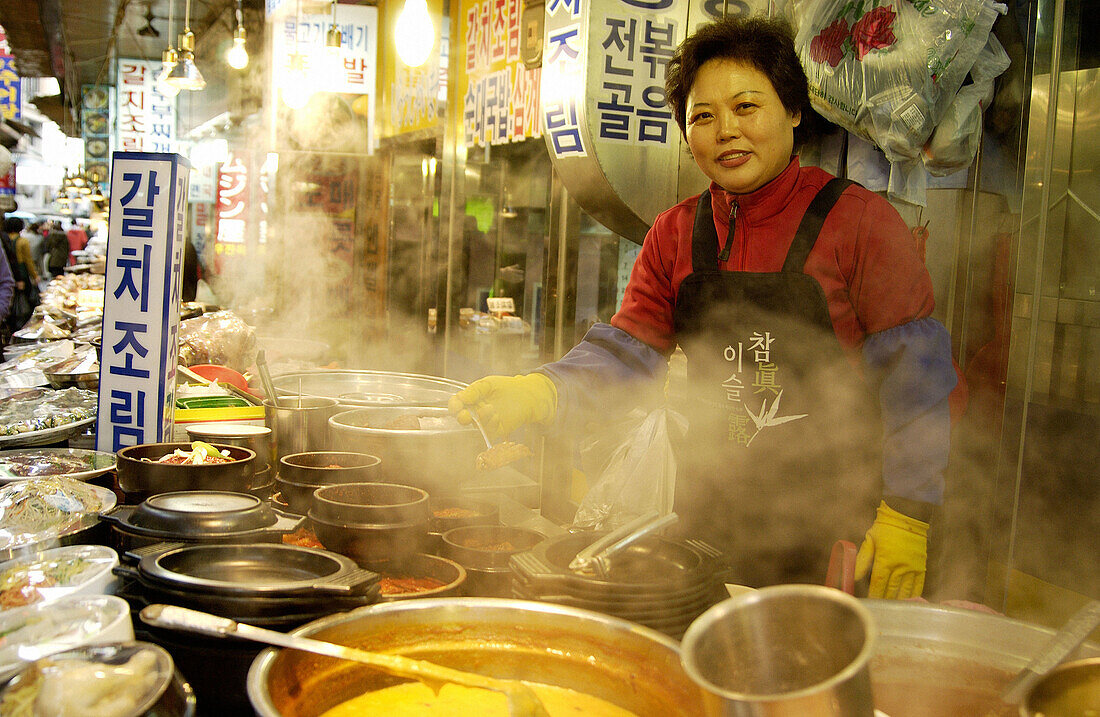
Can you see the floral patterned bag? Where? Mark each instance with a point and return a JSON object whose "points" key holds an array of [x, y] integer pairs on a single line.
{"points": [[887, 71]]}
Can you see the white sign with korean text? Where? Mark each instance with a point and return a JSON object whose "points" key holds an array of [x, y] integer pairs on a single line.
{"points": [[351, 71], [146, 119], [141, 309]]}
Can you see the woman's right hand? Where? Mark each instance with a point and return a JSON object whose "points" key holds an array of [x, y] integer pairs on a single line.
{"points": [[505, 403]]}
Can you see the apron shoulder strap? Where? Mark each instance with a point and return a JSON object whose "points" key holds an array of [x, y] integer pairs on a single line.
{"points": [[704, 238], [810, 227]]}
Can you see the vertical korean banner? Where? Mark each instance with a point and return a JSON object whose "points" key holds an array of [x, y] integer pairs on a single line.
{"points": [[137, 373], [232, 208], [11, 93], [500, 95], [146, 119]]}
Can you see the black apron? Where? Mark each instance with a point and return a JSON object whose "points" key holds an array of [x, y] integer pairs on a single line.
{"points": [[781, 458]]}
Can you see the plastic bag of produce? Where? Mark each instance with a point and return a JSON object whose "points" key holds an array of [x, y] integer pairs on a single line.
{"points": [[640, 476], [888, 71], [220, 338], [954, 142]]}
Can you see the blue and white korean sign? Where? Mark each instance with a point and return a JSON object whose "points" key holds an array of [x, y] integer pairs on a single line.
{"points": [[141, 308], [607, 127]]}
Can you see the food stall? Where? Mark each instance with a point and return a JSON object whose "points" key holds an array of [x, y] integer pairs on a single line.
{"points": [[340, 500]]}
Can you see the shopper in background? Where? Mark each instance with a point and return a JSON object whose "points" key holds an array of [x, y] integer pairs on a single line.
{"points": [[37, 241], [57, 250], [817, 379], [18, 253], [78, 239]]}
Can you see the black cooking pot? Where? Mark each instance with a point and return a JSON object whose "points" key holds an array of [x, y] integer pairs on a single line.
{"points": [[140, 476], [256, 570], [197, 517]]}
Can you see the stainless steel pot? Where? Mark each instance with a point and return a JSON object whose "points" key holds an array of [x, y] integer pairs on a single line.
{"points": [[936, 661], [628, 665], [369, 388], [435, 459]]}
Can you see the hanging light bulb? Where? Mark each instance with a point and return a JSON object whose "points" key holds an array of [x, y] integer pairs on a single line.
{"points": [[169, 57], [185, 74], [334, 38], [414, 33], [237, 56], [297, 88]]}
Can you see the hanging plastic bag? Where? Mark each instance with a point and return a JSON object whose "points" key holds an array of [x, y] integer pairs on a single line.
{"points": [[954, 143], [887, 71], [640, 476]]}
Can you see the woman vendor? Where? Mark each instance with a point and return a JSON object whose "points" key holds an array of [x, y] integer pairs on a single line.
{"points": [[818, 380]]}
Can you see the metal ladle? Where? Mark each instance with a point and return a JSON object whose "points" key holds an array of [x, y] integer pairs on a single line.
{"points": [[1058, 648], [522, 700]]}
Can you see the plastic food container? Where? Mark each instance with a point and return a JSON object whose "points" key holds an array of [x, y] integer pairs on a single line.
{"points": [[118, 680], [36, 631], [56, 573]]}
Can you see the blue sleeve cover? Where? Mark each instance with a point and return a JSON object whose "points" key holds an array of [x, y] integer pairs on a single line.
{"points": [[607, 370], [910, 365]]}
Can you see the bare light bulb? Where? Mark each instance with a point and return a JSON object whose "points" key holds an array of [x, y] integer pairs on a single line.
{"points": [[414, 33], [237, 55]]}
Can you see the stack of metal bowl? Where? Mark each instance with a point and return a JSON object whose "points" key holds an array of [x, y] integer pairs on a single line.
{"points": [[371, 523], [302, 473], [659, 583], [484, 551]]}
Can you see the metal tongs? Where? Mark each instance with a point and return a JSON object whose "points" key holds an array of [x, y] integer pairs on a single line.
{"points": [[593, 559]]}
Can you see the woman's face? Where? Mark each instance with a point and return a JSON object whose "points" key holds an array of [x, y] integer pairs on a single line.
{"points": [[738, 131]]}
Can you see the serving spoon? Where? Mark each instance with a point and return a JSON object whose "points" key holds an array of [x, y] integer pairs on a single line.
{"points": [[522, 700]]}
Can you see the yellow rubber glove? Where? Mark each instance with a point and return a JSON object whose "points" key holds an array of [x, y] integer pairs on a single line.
{"points": [[895, 551], [504, 403]]}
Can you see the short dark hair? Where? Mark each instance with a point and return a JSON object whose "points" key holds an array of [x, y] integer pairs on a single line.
{"points": [[13, 225], [765, 43]]}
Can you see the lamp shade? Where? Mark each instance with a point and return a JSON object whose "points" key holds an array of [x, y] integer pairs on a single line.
{"points": [[185, 73]]}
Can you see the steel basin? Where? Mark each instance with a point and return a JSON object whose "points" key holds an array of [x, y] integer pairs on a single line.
{"points": [[369, 388]]}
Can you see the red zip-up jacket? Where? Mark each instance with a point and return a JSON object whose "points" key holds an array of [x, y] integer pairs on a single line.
{"points": [[864, 258]]}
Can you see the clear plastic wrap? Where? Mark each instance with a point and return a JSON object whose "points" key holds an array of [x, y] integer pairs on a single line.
{"points": [[221, 338], [38, 411], [41, 509], [888, 71]]}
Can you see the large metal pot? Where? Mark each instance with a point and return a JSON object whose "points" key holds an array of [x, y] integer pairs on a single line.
{"points": [[437, 460], [628, 665], [369, 388], [935, 661]]}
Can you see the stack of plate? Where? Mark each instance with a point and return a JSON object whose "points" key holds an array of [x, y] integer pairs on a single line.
{"points": [[655, 582]]}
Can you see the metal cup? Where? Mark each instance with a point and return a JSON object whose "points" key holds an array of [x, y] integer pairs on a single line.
{"points": [[299, 423], [783, 651]]}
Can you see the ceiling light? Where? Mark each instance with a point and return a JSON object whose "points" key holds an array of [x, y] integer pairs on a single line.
{"points": [[414, 33], [237, 56], [333, 39], [185, 74]]}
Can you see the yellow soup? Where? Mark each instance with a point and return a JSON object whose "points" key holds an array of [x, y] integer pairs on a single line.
{"points": [[414, 699]]}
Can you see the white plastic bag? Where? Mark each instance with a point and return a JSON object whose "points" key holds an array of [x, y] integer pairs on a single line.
{"points": [[888, 70], [640, 476]]}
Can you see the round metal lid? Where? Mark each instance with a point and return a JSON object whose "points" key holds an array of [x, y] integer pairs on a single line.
{"points": [[369, 388]]}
